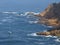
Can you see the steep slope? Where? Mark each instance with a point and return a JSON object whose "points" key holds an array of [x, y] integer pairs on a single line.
{"points": [[51, 17]]}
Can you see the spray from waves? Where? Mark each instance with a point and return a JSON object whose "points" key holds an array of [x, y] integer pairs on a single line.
{"points": [[57, 40], [29, 13], [21, 14], [31, 22], [28, 16], [32, 34], [48, 36], [51, 36], [50, 26], [10, 12], [47, 26]]}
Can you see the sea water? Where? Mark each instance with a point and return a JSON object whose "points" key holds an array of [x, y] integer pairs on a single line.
{"points": [[17, 29], [18, 23]]}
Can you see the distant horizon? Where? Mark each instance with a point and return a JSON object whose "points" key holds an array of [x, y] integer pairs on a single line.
{"points": [[25, 5]]}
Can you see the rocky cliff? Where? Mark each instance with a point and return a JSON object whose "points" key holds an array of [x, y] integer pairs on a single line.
{"points": [[51, 17]]}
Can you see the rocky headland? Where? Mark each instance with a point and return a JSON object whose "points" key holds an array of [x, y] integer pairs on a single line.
{"points": [[50, 17]]}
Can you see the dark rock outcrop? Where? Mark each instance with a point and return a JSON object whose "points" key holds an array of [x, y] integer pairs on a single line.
{"points": [[51, 17], [51, 32]]}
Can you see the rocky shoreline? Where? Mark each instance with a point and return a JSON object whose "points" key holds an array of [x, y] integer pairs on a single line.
{"points": [[52, 32], [50, 17]]}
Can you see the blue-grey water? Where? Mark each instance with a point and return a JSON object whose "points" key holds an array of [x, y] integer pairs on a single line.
{"points": [[18, 25], [20, 29]]}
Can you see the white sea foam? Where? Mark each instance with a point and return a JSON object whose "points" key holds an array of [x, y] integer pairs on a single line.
{"points": [[48, 36], [58, 40], [45, 31], [9, 32], [26, 13], [22, 14], [31, 13], [47, 26], [10, 12], [31, 22], [5, 12], [51, 36], [50, 26], [32, 34], [28, 16]]}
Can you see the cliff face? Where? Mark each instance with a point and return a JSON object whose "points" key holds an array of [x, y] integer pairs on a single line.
{"points": [[51, 15]]}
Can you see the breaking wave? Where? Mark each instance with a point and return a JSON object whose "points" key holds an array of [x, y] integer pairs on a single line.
{"points": [[31, 13], [32, 34], [28, 16], [57, 40], [21, 14], [10, 12], [31, 22], [17, 18], [51, 36]]}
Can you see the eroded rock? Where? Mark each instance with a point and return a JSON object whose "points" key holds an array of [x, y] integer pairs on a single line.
{"points": [[51, 17], [51, 32]]}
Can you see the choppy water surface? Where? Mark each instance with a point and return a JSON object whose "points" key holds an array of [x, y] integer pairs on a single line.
{"points": [[19, 29]]}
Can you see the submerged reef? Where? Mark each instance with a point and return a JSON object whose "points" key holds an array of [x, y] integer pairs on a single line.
{"points": [[50, 17]]}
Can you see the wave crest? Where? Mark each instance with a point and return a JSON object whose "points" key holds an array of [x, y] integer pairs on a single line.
{"points": [[31, 22], [32, 34], [10, 12], [31, 13], [57, 40]]}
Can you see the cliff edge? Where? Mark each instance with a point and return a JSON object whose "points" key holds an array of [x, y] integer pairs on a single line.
{"points": [[51, 17]]}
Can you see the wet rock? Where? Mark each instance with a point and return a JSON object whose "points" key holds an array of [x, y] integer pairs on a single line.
{"points": [[43, 33], [51, 32], [51, 17]]}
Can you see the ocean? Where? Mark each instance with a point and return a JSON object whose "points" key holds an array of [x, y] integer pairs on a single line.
{"points": [[18, 25]]}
